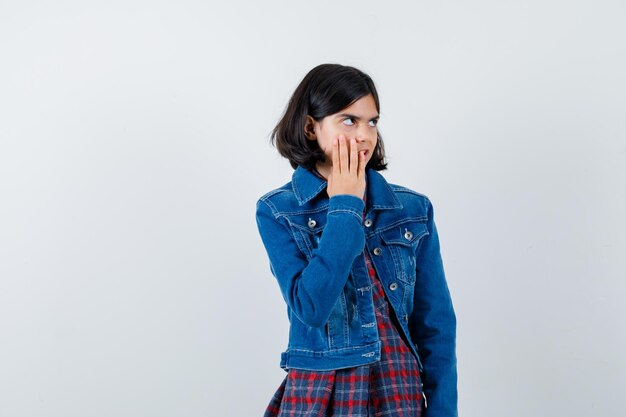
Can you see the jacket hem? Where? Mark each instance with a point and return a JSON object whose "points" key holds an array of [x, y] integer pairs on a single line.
{"points": [[330, 359]]}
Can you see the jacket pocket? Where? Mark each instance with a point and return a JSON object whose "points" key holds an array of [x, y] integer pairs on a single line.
{"points": [[337, 326], [307, 231], [402, 241]]}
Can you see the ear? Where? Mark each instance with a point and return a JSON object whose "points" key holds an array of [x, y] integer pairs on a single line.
{"points": [[309, 128]]}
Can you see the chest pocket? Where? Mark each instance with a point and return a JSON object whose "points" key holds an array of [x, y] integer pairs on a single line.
{"points": [[402, 241], [307, 229]]}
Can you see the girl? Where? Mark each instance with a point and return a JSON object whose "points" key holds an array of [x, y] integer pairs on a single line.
{"points": [[357, 259]]}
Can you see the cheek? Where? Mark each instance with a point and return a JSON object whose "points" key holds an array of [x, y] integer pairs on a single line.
{"points": [[346, 130], [327, 137], [326, 144]]}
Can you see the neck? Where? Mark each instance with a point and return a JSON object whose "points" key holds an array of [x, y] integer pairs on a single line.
{"points": [[322, 172]]}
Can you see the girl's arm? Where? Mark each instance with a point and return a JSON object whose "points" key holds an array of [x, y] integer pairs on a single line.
{"points": [[311, 287], [433, 326]]}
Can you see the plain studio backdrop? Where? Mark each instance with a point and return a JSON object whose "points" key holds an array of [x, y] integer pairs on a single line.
{"points": [[134, 143]]}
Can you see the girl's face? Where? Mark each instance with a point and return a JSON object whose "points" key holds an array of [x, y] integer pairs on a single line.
{"points": [[358, 121]]}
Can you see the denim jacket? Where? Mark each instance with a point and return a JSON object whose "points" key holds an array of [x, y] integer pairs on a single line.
{"points": [[316, 245]]}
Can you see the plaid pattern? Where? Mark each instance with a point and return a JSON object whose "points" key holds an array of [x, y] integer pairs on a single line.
{"points": [[390, 387]]}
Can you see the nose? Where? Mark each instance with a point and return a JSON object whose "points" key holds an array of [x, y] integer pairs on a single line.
{"points": [[365, 131], [364, 134]]}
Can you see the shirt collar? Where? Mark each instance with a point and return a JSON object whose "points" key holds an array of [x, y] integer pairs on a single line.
{"points": [[379, 195]]}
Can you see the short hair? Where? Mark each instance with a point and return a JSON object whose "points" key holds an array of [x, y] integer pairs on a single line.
{"points": [[325, 90]]}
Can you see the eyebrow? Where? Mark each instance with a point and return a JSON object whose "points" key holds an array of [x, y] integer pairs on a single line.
{"points": [[352, 116]]}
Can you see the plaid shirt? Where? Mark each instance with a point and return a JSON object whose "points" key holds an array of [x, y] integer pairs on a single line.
{"points": [[391, 387]]}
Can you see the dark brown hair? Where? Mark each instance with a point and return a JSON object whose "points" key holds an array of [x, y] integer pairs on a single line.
{"points": [[325, 90]]}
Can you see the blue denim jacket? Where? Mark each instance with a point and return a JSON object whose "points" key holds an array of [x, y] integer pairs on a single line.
{"points": [[315, 246]]}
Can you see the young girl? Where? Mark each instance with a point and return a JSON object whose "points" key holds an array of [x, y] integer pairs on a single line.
{"points": [[357, 259]]}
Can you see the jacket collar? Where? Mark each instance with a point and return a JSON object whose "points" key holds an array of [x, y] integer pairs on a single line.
{"points": [[306, 185]]}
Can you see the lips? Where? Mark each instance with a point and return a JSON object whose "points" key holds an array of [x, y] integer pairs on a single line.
{"points": [[366, 151]]}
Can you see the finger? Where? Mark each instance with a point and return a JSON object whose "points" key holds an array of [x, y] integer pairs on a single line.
{"points": [[335, 155], [343, 155], [354, 156], [362, 164]]}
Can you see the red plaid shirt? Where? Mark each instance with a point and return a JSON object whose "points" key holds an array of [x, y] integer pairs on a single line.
{"points": [[390, 387]]}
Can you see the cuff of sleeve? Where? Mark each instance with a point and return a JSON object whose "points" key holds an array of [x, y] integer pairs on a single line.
{"points": [[346, 202]]}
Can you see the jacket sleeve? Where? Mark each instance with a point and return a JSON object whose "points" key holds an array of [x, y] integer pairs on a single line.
{"points": [[312, 287], [433, 326]]}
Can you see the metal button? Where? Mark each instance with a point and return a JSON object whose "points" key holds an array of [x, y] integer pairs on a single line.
{"points": [[407, 234], [368, 222], [393, 286], [377, 251], [312, 223], [406, 317]]}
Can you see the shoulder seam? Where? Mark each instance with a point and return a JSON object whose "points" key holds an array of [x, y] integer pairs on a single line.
{"points": [[400, 188], [269, 204], [271, 193]]}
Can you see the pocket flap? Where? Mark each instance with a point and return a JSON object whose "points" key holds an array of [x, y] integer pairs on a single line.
{"points": [[407, 233]]}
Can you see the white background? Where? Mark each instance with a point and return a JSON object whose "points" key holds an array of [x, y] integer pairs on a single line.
{"points": [[134, 143]]}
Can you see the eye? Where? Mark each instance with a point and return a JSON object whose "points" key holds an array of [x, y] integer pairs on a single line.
{"points": [[375, 122], [349, 118]]}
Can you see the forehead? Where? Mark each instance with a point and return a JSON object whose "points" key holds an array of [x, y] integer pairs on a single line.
{"points": [[364, 108]]}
